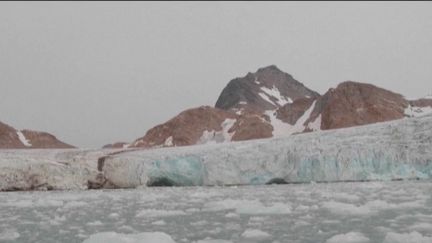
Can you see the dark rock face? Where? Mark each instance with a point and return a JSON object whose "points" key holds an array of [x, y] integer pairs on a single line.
{"points": [[251, 127], [189, 127], [186, 128], [9, 139], [43, 140], [290, 113], [354, 104], [267, 89]]}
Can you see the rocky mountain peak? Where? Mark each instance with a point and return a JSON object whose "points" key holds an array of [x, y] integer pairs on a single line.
{"points": [[267, 89], [271, 103], [270, 68]]}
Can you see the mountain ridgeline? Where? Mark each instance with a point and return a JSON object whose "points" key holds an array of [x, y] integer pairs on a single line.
{"points": [[271, 103], [11, 138], [264, 104]]}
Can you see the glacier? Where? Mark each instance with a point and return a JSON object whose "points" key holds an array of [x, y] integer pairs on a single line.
{"points": [[385, 151], [49, 169], [393, 150]]}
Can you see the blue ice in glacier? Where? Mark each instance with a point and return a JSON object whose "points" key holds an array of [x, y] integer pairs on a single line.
{"points": [[185, 171], [385, 151]]}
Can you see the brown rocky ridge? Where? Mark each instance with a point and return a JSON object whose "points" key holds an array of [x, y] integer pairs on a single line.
{"points": [[271, 103], [10, 138]]}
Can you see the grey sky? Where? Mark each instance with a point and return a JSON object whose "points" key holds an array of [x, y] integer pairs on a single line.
{"points": [[97, 72]]}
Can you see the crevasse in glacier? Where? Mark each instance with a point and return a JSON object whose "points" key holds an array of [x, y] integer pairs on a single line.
{"points": [[385, 151]]}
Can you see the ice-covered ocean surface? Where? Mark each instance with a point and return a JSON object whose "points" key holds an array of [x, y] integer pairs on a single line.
{"points": [[389, 212]]}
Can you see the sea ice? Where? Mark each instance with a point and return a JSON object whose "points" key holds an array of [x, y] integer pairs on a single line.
{"points": [[112, 237], [255, 234], [287, 213], [412, 237], [351, 237]]}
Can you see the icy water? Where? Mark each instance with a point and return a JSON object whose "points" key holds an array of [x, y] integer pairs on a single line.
{"points": [[336, 212]]}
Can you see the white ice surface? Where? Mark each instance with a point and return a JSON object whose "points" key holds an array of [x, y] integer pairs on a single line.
{"points": [[112, 237], [58, 168], [414, 111], [351, 237], [401, 211], [412, 237], [255, 234]]}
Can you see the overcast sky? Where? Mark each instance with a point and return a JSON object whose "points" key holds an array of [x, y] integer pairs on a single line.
{"points": [[93, 73]]}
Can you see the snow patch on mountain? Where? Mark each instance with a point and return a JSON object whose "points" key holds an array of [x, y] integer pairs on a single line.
{"points": [[266, 98], [316, 124], [169, 141], [256, 81], [300, 124], [218, 136], [280, 128], [275, 93], [23, 139], [283, 129]]}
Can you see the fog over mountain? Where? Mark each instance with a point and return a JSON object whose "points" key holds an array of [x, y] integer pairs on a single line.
{"points": [[93, 73]]}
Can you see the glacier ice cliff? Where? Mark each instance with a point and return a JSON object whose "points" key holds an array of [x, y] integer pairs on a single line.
{"points": [[49, 169], [385, 151]]}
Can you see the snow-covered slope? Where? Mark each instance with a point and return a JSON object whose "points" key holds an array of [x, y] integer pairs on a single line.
{"points": [[399, 149]]}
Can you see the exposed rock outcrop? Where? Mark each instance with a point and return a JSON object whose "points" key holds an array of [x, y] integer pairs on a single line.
{"points": [[353, 104], [205, 125]]}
